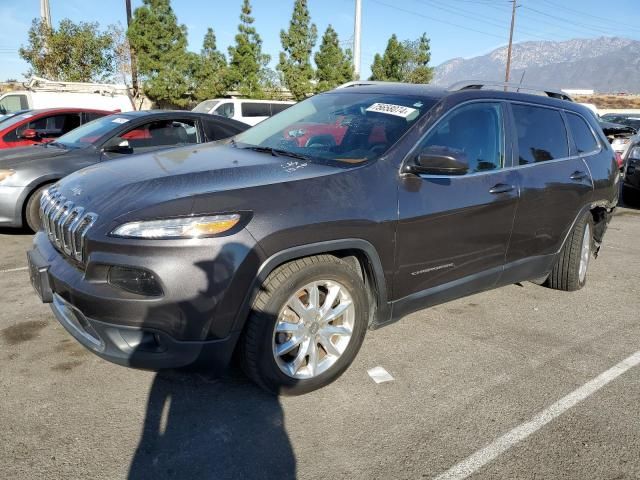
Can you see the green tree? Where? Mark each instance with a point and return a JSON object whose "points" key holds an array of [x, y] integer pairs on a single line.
{"points": [[419, 69], [246, 60], [391, 67], [74, 52], [164, 64], [298, 42], [406, 61], [210, 76], [334, 66]]}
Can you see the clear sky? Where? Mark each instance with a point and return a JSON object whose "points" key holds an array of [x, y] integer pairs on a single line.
{"points": [[457, 28]]}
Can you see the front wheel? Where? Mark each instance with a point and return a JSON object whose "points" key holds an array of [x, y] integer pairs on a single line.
{"points": [[32, 210], [570, 271], [306, 326]]}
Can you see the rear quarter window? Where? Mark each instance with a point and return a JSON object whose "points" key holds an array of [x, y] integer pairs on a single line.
{"points": [[250, 109], [541, 133], [583, 137]]}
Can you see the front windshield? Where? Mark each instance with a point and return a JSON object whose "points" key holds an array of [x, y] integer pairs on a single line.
{"points": [[343, 126], [206, 106], [91, 132]]}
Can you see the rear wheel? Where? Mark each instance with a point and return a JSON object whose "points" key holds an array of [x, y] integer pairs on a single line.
{"points": [[306, 326], [32, 210], [570, 270]]}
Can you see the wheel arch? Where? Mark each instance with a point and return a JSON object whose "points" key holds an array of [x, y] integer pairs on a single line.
{"points": [[29, 191], [358, 252]]}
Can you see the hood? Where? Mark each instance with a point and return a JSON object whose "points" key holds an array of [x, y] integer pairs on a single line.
{"points": [[14, 157], [134, 183]]}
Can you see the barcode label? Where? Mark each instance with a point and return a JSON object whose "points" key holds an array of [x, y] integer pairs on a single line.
{"points": [[390, 109]]}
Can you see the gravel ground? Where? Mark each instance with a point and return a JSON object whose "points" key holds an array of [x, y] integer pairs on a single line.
{"points": [[465, 373]]}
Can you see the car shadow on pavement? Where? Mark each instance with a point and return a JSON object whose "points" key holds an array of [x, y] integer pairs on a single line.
{"points": [[199, 426], [24, 232], [212, 429]]}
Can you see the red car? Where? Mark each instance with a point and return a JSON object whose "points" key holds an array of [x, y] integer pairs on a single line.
{"points": [[42, 126]]}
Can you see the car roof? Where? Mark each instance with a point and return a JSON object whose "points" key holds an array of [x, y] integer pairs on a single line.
{"points": [[437, 93], [43, 111]]}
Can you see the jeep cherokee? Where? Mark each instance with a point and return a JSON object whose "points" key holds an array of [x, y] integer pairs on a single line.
{"points": [[286, 252]]}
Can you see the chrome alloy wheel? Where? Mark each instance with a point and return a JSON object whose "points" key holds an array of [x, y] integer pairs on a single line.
{"points": [[585, 253], [313, 329]]}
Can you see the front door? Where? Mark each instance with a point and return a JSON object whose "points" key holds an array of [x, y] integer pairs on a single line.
{"points": [[453, 231]]}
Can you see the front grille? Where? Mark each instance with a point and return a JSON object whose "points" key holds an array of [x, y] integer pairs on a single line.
{"points": [[65, 223]]}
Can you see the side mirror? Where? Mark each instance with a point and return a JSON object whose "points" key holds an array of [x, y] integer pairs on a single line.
{"points": [[122, 147], [30, 134], [440, 161]]}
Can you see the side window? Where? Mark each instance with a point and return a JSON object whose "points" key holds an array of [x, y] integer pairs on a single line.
{"points": [[52, 126], [582, 134], [541, 133], [278, 107], [475, 132], [218, 130], [13, 103], [250, 109], [225, 110], [162, 133]]}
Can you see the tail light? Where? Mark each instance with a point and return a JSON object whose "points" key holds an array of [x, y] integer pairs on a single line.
{"points": [[619, 160]]}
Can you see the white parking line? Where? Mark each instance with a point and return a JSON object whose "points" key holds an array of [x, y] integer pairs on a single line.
{"points": [[19, 269], [482, 457]]}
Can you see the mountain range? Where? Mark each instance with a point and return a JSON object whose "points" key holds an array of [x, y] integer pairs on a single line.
{"points": [[605, 64]]}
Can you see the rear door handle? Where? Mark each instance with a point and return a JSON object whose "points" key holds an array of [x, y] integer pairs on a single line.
{"points": [[578, 175], [501, 188]]}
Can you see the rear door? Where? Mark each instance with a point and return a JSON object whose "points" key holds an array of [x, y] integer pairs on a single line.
{"points": [[455, 230], [554, 183]]}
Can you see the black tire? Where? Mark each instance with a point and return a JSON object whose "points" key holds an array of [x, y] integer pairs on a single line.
{"points": [[32, 210], [565, 274], [256, 345]]}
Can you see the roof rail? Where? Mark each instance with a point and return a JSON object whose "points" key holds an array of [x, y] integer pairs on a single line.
{"points": [[479, 84], [361, 83], [42, 84]]}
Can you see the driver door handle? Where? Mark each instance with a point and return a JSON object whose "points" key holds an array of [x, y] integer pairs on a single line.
{"points": [[501, 188], [578, 175]]}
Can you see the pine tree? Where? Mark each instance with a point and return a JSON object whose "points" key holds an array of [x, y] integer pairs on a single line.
{"points": [[298, 42], [210, 76], [406, 61], [420, 71], [247, 62], [161, 46], [335, 66]]}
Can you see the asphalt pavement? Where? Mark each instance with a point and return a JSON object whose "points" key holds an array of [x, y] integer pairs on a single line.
{"points": [[500, 383]]}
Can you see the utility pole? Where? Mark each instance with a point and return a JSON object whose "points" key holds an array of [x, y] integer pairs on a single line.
{"points": [[132, 54], [45, 13], [513, 22], [357, 29]]}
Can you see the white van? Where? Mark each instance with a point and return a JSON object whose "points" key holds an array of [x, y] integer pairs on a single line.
{"points": [[40, 93], [250, 112]]}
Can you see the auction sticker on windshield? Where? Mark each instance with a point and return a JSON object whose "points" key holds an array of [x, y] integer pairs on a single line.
{"points": [[120, 120], [390, 109]]}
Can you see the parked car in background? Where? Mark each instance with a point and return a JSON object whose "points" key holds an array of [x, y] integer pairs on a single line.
{"points": [[631, 174], [42, 126], [26, 172], [41, 93], [7, 116], [286, 254], [250, 112], [629, 119], [619, 136]]}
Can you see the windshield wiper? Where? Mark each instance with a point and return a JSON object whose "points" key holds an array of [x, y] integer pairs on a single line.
{"points": [[276, 152]]}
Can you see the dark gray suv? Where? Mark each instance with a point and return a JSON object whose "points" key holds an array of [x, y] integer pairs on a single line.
{"points": [[343, 213]]}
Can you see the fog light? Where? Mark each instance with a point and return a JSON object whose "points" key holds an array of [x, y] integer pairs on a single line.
{"points": [[135, 280]]}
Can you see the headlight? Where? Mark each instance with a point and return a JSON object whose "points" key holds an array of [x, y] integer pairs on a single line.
{"points": [[4, 174], [186, 227]]}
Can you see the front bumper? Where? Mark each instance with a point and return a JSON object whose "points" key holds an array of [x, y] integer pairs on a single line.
{"points": [[11, 206], [177, 330]]}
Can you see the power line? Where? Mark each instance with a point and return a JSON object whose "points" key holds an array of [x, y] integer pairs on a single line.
{"points": [[411, 12], [588, 15]]}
